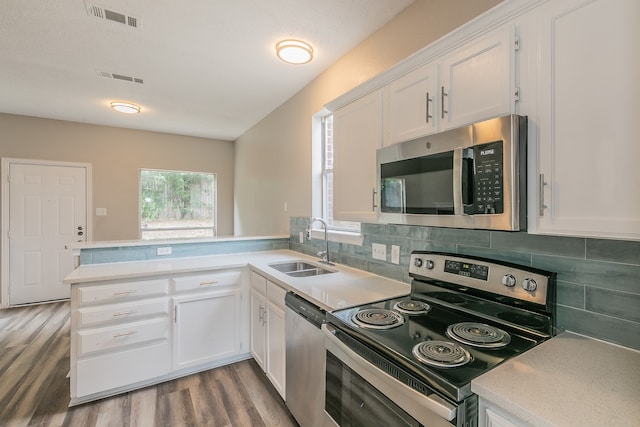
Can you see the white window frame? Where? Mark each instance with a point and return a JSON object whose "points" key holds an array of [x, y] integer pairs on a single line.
{"points": [[337, 233], [214, 226]]}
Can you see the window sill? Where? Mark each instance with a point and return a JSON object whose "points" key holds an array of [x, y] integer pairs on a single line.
{"points": [[351, 238]]}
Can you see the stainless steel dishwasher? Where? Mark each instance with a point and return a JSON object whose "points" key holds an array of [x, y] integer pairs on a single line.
{"points": [[305, 361]]}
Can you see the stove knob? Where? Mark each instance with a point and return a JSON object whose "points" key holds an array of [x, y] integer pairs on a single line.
{"points": [[508, 280], [417, 262], [529, 285], [429, 264]]}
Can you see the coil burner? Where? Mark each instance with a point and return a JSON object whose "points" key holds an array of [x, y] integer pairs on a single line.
{"points": [[478, 335], [412, 307], [442, 354], [377, 318]]}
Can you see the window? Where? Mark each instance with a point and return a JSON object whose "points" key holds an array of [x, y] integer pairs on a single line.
{"points": [[175, 204], [327, 179]]}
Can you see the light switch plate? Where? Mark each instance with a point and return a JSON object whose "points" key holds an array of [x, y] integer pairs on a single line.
{"points": [[101, 211], [395, 254], [301, 237], [379, 251]]}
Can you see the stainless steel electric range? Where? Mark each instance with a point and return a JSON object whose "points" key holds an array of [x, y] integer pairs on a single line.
{"points": [[410, 360]]}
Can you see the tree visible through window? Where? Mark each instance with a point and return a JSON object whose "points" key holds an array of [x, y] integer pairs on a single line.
{"points": [[175, 204]]}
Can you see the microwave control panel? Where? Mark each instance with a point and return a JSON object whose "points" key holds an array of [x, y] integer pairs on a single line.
{"points": [[488, 179]]}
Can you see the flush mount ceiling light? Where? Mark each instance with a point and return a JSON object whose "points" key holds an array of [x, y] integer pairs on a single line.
{"points": [[125, 107], [294, 51]]}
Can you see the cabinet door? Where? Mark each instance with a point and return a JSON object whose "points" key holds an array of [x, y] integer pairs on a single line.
{"points": [[258, 321], [412, 103], [478, 80], [276, 347], [206, 327], [588, 109], [357, 134]]}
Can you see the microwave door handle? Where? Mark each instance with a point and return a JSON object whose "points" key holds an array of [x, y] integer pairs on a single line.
{"points": [[457, 182]]}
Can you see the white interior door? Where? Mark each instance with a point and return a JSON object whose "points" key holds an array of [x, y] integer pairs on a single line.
{"points": [[47, 209]]}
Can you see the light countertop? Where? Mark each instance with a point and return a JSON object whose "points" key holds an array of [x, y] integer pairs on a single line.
{"points": [[569, 380], [345, 288]]}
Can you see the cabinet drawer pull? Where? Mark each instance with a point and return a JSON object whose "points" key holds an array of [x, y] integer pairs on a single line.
{"points": [[428, 101], [124, 334], [541, 205], [115, 294], [212, 282], [442, 95], [124, 313]]}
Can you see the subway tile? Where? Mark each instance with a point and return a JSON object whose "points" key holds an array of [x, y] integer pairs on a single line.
{"points": [[461, 236], [617, 304], [619, 277], [596, 325], [409, 231], [524, 242], [570, 294], [428, 245], [521, 258], [623, 251], [353, 262], [368, 228], [391, 271]]}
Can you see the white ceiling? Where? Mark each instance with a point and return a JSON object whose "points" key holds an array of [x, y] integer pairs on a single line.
{"points": [[208, 66]]}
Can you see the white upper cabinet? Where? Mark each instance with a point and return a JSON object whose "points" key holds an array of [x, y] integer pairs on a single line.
{"points": [[411, 105], [471, 83], [357, 134], [478, 80], [588, 88]]}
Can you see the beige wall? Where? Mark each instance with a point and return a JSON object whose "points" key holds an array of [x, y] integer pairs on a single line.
{"points": [[273, 159], [116, 156]]}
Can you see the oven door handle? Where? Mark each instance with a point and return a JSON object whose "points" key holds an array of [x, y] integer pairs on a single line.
{"points": [[410, 400]]}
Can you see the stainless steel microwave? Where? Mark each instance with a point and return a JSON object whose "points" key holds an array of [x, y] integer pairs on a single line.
{"points": [[469, 177]]}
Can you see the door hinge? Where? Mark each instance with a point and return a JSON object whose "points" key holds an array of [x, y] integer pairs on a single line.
{"points": [[516, 44], [516, 94]]}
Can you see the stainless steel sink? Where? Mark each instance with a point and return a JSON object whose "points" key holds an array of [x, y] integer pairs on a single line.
{"points": [[300, 269]]}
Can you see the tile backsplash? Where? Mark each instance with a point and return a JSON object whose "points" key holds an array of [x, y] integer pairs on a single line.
{"points": [[598, 282]]}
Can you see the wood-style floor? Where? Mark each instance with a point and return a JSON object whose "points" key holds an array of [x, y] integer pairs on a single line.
{"points": [[34, 388]]}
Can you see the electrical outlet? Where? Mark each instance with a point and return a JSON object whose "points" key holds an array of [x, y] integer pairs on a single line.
{"points": [[301, 237], [164, 250], [379, 251], [395, 254]]}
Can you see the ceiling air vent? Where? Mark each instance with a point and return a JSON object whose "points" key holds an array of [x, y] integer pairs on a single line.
{"points": [[113, 16], [115, 76]]}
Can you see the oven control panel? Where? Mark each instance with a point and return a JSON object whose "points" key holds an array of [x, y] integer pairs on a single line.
{"points": [[519, 282]]}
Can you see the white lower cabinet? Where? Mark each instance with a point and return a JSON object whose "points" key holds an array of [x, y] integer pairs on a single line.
{"points": [[129, 334], [206, 327], [490, 415], [268, 345]]}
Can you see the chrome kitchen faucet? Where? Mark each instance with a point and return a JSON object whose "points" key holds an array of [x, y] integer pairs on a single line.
{"points": [[322, 254]]}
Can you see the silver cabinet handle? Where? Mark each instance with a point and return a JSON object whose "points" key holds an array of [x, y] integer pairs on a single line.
{"points": [[212, 282], [373, 199], [541, 206], [427, 102], [124, 334], [442, 95], [124, 313], [115, 294]]}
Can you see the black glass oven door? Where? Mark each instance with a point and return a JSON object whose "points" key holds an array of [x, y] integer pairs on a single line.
{"points": [[353, 402]]}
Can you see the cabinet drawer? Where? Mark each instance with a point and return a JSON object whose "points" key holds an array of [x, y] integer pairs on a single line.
{"points": [[122, 291], [109, 371], [91, 316], [276, 294], [114, 337], [258, 283], [205, 281]]}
